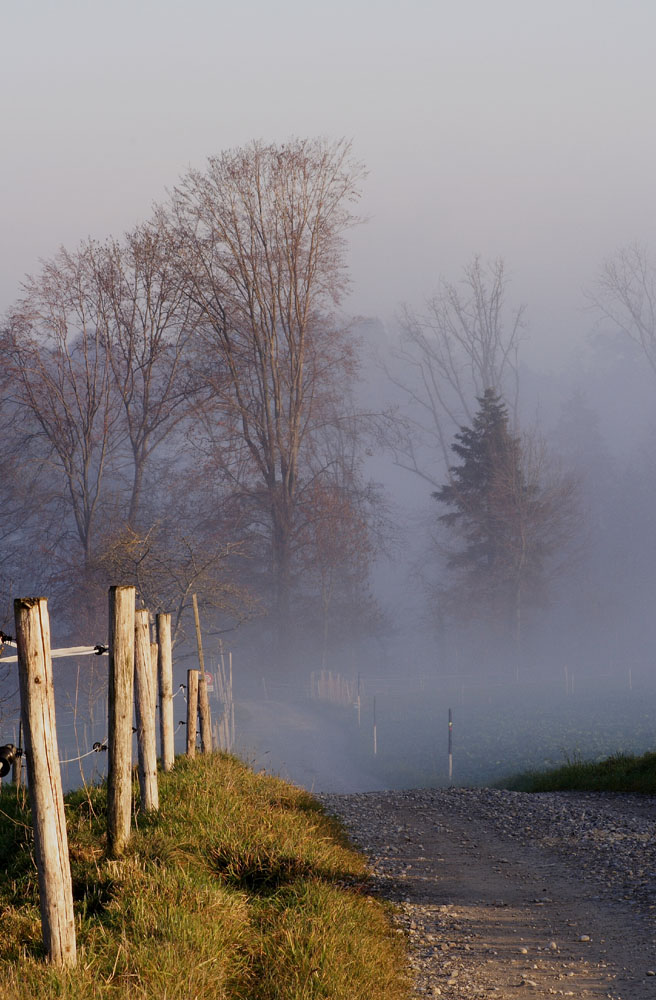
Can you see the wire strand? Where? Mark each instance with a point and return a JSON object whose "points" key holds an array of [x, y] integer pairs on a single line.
{"points": [[55, 654], [97, 748]]}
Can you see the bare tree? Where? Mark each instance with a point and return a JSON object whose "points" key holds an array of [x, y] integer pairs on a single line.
{"points": [[625, 293], [147, 322], [173, 560], [61, 381], [263, 234], [342, 526], [466, 340]]}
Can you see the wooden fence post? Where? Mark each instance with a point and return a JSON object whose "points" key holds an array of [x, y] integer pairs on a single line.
{"points": [[226, 730], [192, 711], [144, 700], [203, 700], [119, 722], [165, 679], [46, 796]]}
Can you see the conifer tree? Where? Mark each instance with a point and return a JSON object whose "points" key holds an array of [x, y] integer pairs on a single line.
{"points": [[477, 493], [506, 520]]}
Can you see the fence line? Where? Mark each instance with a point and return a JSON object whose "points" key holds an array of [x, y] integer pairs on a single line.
{"points": [[326, 685], [137, 668]]}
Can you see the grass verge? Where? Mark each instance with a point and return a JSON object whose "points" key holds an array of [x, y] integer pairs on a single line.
{"points": [[619, 773], [240, 888]]}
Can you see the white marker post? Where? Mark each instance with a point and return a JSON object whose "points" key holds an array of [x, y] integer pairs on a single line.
{"points": [[450, 747]]}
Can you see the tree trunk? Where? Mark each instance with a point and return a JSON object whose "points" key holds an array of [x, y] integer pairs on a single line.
{"points": [[282, 589]]}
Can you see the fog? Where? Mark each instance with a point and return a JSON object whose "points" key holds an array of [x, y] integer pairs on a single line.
{"points": [[510, 131], [585, 686]]}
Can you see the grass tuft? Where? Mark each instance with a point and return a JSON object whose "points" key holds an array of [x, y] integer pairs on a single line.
{"points": [[620, 773], [258, 868]]}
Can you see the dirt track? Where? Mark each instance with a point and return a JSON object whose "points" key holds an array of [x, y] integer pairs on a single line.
{"points": [[516, 896]]}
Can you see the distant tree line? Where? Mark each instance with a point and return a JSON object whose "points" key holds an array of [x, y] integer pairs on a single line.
{"points": [[180, 412]]}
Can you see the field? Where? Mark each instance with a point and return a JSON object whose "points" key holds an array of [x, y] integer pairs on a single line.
{"points": [[498, 729]]}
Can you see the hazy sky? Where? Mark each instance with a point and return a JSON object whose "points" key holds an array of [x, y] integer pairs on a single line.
{"points": [[507, 127]]}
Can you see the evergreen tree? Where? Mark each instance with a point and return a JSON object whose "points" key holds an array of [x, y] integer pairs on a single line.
{"points": [[506, 522], [478, 490]]}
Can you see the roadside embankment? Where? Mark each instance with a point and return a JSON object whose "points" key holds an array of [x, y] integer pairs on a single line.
{"points": [[239, 888]]}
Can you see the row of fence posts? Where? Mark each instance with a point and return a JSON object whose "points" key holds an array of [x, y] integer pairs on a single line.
{"points": [[137, 668]]}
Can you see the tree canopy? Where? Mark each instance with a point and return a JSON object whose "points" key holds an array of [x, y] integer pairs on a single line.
{"points": [[180, 403]]}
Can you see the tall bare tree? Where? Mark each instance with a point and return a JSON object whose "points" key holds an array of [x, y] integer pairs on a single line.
{"points": [[97, 350], [464, 341], [147, 322], [263, 232], [61, 381]]}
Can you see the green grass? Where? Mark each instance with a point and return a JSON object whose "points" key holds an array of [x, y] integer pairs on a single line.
{"points": [[240, 888], [619, 773]]}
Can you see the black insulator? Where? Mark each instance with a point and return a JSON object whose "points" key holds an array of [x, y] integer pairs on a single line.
{"points": [[97, 746], [8, 754], [5, 638], [99, 649]]}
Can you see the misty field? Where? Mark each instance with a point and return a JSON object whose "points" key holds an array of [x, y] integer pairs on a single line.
{"points": [[498, 730]]}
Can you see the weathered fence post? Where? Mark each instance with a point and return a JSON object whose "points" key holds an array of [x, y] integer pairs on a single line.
{"points": [[144, 700], [119, 723], [192, 711], [165, 679], [203, 700], [46, 796]]}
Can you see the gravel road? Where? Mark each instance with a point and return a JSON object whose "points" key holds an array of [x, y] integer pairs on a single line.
{"points": [[509, 895]]}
